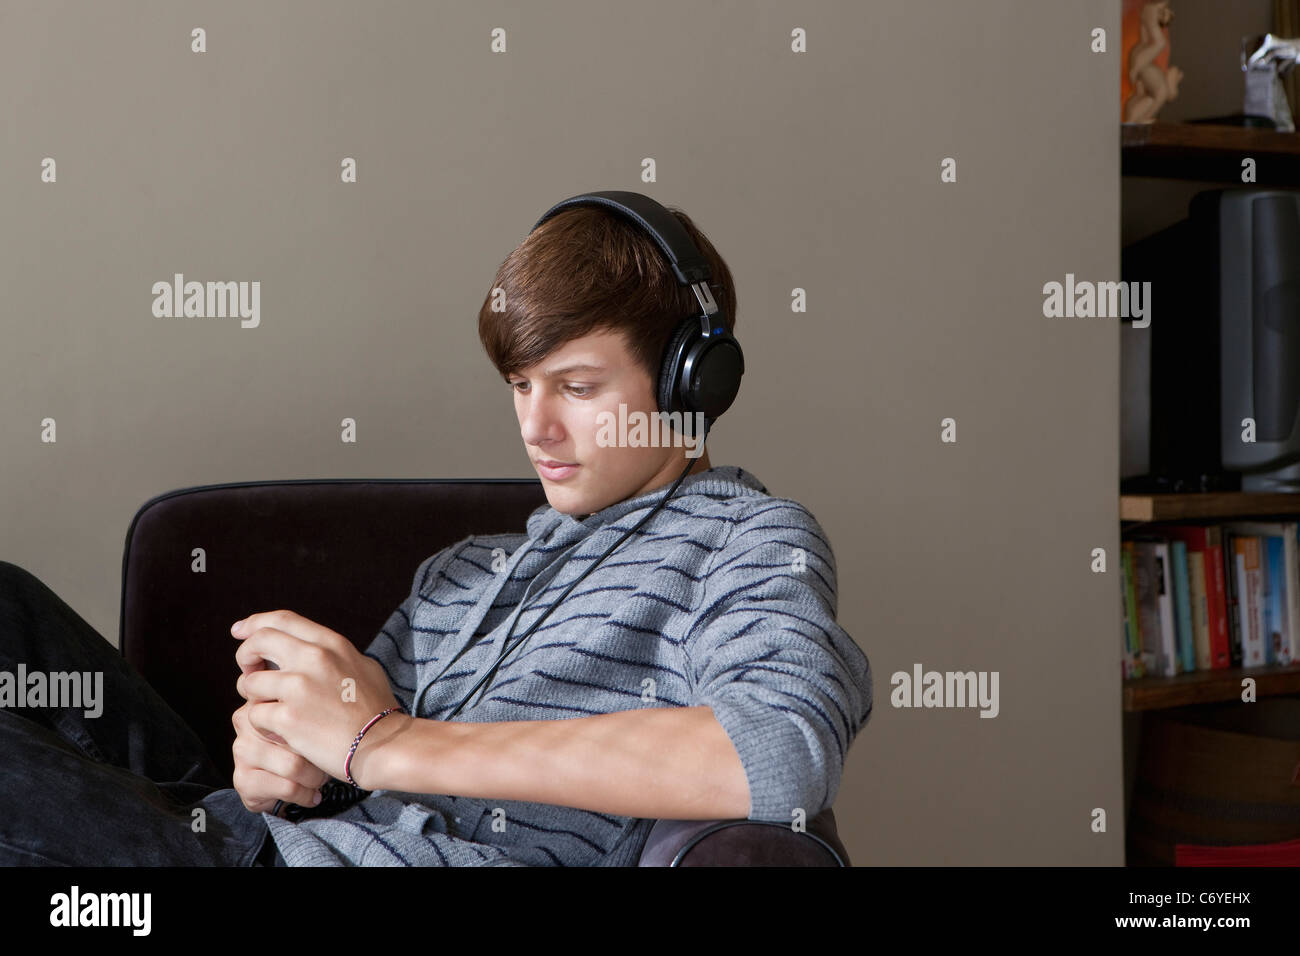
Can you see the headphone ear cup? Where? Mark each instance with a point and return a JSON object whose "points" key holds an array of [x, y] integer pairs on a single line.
{"points": [[669, 389], [716, 365]]}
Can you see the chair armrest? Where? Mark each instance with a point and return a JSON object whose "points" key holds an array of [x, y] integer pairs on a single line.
{"points": [[743, 843]]}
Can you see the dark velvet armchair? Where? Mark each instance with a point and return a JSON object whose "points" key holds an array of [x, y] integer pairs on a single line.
{"points": [[343, 552]]}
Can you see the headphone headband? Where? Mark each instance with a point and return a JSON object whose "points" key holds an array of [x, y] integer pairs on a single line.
{"points": [[687, 263]]}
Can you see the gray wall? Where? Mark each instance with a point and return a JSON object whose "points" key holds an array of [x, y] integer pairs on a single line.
{"points": [[818, 170]]}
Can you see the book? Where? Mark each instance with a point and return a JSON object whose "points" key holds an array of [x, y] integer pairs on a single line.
{"points": [[1155, 606], [1205, 547], [1165, 593], [1182, 605], [1275, 553], [1200, 611], [1281, 557], [1131, 659], [1232, 607], [1245, 550]]}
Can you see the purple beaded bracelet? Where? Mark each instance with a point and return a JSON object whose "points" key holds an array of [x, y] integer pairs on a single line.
{"points": [[347, 761]]}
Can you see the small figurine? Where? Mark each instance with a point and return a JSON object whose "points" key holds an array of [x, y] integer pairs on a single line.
{"points": [[1152, 86], [1265, 60]]}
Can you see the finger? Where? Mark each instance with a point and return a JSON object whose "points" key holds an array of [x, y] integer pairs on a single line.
{"points": [[243, 729], [255, 753], [259, 665], [289, 622], [269, 738], [251, 731], [267, 644], [257, 686], [254, 801], [266, 788], [266, 719], [259, 806]]}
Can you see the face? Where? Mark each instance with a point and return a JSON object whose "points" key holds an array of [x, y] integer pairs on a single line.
{"points": [[558, 401]]}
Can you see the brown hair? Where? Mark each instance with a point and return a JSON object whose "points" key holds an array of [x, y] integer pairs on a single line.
{"points": [[587, 269]]}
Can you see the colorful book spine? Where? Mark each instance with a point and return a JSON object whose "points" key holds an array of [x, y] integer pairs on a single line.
{"points": [[1217, 600], [1182, 602], [1246, 553], [1202, 659], [1277, 636], [1132, 656], [1232, 600], [1279, 560]]}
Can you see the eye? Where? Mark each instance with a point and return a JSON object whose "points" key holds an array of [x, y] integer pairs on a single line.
{"points": [[578, 391]]}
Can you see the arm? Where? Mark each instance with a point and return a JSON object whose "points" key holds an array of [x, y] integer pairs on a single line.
{"points": [[661, 762], [788, 685], [779, 689], [657, 763]]}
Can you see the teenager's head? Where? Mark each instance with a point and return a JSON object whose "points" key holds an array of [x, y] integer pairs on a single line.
{"points": [[589, 288]]}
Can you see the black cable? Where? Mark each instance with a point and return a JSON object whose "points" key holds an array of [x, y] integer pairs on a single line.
{"points": [[507, 648]]}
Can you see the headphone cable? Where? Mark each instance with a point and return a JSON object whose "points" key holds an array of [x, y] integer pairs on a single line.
{"points": [[508, 648]]}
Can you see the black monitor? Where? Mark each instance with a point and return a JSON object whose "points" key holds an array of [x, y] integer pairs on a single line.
{"points": [[1219, 362]]}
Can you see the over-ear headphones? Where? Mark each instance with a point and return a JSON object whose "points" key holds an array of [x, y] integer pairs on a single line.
{"points": [[702, 364]]}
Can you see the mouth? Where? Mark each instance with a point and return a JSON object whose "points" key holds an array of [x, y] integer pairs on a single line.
{"points": [[555, 470]]}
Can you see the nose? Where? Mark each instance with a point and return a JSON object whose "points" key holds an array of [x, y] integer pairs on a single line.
{"points": [[538, 422]]}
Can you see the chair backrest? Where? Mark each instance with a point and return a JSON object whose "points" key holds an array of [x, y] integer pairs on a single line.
{"points": [[342, 552]]}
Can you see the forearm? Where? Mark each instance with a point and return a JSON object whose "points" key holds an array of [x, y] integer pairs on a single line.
{"points": [[659, 763]]}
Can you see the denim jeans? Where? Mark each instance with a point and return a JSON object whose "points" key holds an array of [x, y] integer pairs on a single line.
{"points": [[117, 789]]}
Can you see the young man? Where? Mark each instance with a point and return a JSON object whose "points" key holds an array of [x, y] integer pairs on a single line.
{"points": [[696, 672]]}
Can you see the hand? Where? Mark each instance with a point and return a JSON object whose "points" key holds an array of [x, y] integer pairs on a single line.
{"points": [[322, 695], [266, 772]]}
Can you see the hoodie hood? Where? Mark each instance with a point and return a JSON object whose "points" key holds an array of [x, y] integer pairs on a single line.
{"points": [[550, 527], [553, 536]]}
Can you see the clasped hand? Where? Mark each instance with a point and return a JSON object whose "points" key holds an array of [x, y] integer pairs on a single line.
{"points": [[323, 693]]}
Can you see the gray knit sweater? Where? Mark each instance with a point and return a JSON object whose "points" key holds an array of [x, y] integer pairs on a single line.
{"points": [[726, 597]]}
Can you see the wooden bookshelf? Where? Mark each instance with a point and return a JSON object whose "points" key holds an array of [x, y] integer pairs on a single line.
{"points": [[1209, 687], [1210, 153], [1206, 153], [1212, 686], [1209, 506]]}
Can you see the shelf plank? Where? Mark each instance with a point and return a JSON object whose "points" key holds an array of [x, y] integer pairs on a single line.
{"points": [[1209, 505], [1209, 687], [1203, 151], [1207, 137]]}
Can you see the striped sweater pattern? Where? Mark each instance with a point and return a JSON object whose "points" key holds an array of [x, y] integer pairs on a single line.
{"points": [[726, 598]]}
